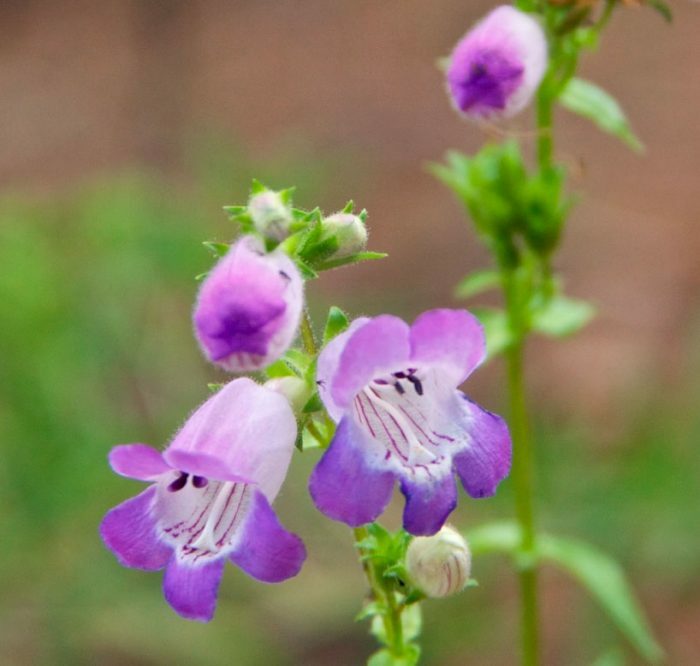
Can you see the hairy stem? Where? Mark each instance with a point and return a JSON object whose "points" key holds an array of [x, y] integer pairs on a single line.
{"points": [[391, 616]]}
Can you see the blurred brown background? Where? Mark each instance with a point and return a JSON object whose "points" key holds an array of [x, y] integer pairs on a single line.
{"points": [[346, 100]]}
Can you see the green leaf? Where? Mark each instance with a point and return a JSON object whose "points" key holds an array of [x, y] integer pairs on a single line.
{"points": [[385, 658], [336, 323], [350, 259], [663, 9], [496, 328], [606, 582], [280, 369], [411, 622], [500, 537], [562, 316], [588, 100], [477, 283], [306, 271], [612, 657]]}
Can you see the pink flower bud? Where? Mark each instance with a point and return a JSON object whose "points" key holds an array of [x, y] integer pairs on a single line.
{"points": [[498, 65]]}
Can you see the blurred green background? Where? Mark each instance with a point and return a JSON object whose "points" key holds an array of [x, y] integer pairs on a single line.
{"points": [[126, 125]]}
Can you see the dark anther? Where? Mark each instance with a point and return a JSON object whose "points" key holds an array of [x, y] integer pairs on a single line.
{"points": [[400, 389], [381, 382], [285, 275], [199, 481], [400, 375], [179, 483], [416, 384]]}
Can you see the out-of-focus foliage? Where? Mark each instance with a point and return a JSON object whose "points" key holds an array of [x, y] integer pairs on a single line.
{"points": [[96, 349]]}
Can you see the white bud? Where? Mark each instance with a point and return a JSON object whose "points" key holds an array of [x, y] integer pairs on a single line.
{"points": [[294, 389], [439, 565], [350, 231], [271, 216]]}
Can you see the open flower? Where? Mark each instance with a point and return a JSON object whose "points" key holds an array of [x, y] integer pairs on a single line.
{"points": [[497, 66], [209, 499], [248, 308], [392, 390]]}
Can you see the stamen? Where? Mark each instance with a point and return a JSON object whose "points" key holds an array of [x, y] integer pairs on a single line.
{"points": [[179, 483], [414, 446], [399, 389], [206, 540], [416, 384]]}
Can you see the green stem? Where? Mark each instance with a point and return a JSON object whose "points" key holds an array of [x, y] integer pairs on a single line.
{"points": [[523, 480], [391, 617], [544, 110]]}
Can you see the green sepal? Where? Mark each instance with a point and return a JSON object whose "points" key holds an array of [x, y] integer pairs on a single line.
{"points": [[298, 360], [256, 187], [350, 259], [215, 386], [280, 369], [349, 207], [314, 404], [306, 271], [200, 276], [336, 322], [477, 283], [592, 102], [217, 249], [370, 610]]}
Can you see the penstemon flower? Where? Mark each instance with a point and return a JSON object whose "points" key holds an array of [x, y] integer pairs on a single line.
{"points": [[248, 308], [392, 389], [210, 499], [497, 66]]}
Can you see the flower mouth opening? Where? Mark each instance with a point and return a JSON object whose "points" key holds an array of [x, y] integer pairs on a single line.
{"points": [[399, 412], [200, 516]]}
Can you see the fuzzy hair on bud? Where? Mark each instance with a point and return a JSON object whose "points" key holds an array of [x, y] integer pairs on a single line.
{"points": [[270, 215], [439, 565], [496, 68], [350, 231]]}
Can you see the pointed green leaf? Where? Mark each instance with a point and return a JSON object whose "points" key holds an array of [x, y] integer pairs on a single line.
{"points": [[562, 316], [606, 582], [386, 658], [351, 259], [588, 100], [336, 323], [280, 369], [349, 206], [477, 283], [256, 186], [234, 211]]}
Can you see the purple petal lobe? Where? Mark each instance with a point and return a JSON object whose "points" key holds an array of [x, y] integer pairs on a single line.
{"points": [[346, 484], [192, 590], [137, 461], [327, 366], [380, 346], [243, 433], [428, 503], [486, 461], [452, 339], [266, 550], [129, 532]]}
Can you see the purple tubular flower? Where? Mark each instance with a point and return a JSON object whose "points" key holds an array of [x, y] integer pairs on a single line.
{"points": [[209, 499], [392, 389], [497, 66], [248, 308]]}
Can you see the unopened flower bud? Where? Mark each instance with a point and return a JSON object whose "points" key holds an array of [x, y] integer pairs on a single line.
{"points": [[248, 308], [350, 231], [271, 216], [439, 565], [294, 389], [497, 66]]}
